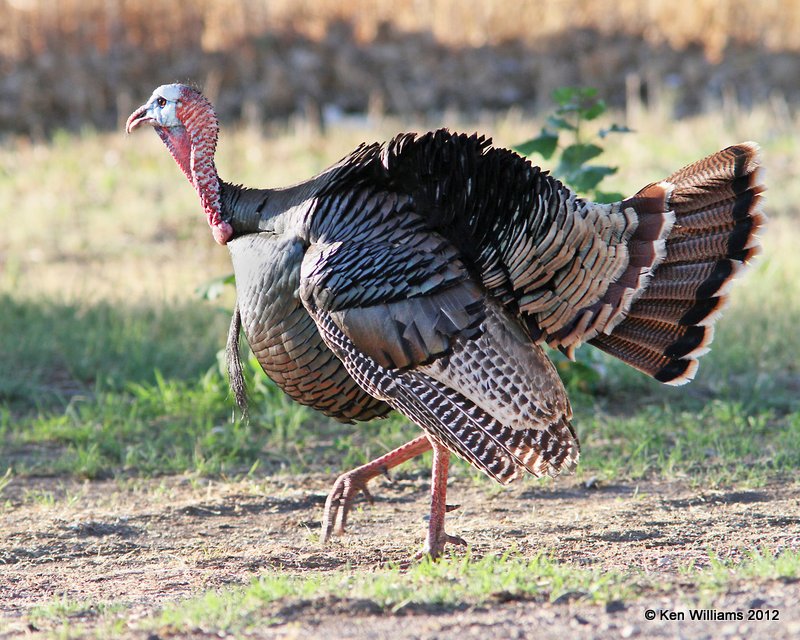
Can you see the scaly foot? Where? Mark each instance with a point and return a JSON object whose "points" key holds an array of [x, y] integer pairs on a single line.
{"points": [[437, 537], [340, 499], [435, 547], [348, 485]]}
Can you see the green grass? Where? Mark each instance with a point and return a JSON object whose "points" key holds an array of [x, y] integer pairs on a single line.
{"points": [[756, 566], [109, 360], [720, 441], [65, 618], [53, 350], [453, 583], [167, 426], [62, 608], [456, 583], [447, 584]]}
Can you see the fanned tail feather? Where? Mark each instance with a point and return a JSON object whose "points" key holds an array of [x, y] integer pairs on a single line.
{"points": [[716, 205]]}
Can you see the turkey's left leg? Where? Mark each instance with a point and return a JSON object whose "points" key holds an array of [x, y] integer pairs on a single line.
{"points": [[437, 537], [347, 485]]}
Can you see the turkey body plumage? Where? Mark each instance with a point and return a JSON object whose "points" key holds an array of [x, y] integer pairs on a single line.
{"points": [[425, 274], [375, 281]]}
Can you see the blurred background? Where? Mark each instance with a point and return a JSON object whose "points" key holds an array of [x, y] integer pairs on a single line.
{"points": [[109, 330], [87, 63]]}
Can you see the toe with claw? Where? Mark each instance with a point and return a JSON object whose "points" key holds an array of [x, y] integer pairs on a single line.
{"points": [[340, 500], [434, 548], [348, 485]]}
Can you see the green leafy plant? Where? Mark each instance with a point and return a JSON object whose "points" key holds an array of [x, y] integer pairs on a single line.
{"points": [[213, 289], [566, 138]]}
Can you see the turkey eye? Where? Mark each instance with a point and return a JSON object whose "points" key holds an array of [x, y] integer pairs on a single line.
{"points": [[161, 102]]}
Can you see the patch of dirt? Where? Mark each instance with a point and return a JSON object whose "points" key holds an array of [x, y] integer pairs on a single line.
{"points": [[141, 543]]}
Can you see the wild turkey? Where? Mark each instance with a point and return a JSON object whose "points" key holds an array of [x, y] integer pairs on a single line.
{"points": [[423, 275]]}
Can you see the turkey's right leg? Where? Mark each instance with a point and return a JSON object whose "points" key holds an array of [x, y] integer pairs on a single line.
{"points": [[347, 485], [437, 537]]}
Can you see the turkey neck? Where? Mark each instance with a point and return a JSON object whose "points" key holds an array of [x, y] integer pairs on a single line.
{"points": [[273, 211], [243, 207], [193, 146]]}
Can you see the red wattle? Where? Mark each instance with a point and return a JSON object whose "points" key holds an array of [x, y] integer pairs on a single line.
{"points": [[222, 232]]}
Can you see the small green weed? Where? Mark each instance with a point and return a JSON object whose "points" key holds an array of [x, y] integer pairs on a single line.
{"points": [[564, 140], [577, 106]]}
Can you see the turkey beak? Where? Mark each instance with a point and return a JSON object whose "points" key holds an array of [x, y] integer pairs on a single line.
{"points": [[138, 117]]}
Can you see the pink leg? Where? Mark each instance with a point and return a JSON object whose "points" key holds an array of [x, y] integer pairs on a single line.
{"points": [[437, 537], [349, 484]]}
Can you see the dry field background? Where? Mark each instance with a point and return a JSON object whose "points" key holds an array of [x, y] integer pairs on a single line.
{"points": [[79, 63]]}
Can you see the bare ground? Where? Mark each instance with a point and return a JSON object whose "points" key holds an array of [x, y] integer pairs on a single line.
{"points": [[142, 543]]}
